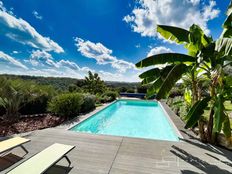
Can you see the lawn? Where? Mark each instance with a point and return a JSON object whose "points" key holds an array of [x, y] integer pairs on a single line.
{"points": [[228, 106]]}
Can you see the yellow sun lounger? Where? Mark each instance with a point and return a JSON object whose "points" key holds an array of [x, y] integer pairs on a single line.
{"points": [[43, 160], [12, 143]]}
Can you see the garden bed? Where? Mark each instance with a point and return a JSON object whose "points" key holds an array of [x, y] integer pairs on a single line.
{"points": [[26, 124]]}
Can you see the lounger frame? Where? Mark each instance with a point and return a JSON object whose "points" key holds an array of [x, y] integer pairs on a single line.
{"points": [[13, 147], [52, 164]]}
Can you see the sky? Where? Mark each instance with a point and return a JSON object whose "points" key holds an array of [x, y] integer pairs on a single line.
{"points": [[69, 38]]}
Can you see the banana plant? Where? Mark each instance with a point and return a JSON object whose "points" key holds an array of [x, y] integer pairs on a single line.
{"points": [[175, 65], [227, 26], [205, 54]]}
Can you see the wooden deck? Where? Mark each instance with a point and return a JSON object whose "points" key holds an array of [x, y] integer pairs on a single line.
{"points": [[98, 154]]}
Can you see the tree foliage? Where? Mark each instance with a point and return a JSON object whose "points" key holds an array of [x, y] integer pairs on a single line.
{"points": [[206, 57], [15, 94], [93, 83]]}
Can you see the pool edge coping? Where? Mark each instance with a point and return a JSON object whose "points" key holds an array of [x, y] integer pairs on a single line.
{"points": [[165, 108], [171, 121]]}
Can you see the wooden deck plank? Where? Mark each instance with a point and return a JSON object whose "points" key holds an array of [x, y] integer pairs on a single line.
{"points": [[99, 154]]}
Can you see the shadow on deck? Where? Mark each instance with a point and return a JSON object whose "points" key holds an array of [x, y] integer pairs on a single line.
{"points": [[121, 155]]}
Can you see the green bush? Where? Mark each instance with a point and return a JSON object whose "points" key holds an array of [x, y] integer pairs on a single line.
{"points": [[142, 89], [72, 88], [101, 99], [37, 106], [68, 105], [178, 106], [176, 92], [89, 103], [108, 96], [39, 103], [130, 90], [111, 95]]}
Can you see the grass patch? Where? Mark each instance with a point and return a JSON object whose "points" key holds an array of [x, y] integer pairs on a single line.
{"points": [[228, 107], [98, 104]]}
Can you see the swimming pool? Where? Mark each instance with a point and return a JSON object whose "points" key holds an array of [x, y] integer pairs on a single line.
{"points": [[130, 118]]}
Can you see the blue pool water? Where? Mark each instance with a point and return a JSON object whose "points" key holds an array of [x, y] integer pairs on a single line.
{"points": [[130, 118]]}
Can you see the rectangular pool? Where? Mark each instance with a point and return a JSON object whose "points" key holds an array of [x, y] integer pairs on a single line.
{"points": [[130, 118]]}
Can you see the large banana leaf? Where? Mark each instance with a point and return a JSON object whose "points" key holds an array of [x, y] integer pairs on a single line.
{"points": [[157, 81], [173, 76], [227, 32], [149, 79], [165, 58], [219, 113], [154, 87], [197, 40], [165, 71], [174, 34], [227, 25], [196, 112], [153, 74], [226, 127], [149, 73], [224, 45]]}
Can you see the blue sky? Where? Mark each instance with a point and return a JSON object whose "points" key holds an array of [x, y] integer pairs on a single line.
{"points": [[69, 38]]}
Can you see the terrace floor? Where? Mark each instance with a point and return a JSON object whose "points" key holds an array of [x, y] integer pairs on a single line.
{"points": [[118, 155], [101, 154]]}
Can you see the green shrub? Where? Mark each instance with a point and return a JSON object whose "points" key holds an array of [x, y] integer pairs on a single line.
{"points": [[72, 88], [101, 99], [176, 92], [178, 106], [89, 103], [68, 104], [37, 106], [111, 95], [142, 89], [108, 96], [122, 89], [130, 90]]}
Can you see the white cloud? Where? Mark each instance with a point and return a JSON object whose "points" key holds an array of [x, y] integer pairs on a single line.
{"points": [[43, 58], [138, 46], [159, 50], [101, 54], [36, 15], [12, 61], [122, 65], [21, 31], [15, 52], [128, 77], [209, 12], [37, 54], [194, 2], [182, 13], [69, 64], [94, 50]]}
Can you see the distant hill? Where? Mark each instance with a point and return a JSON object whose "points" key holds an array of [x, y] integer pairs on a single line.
{"points": [[63, 82]]}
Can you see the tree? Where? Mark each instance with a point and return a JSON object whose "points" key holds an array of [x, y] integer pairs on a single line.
{"points": [[211, 57], [175, 65], [93, 84], [72, 88]]}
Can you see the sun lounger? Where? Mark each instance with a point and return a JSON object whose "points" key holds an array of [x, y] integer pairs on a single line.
{"points": [[43, 160], [12, 143]]}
